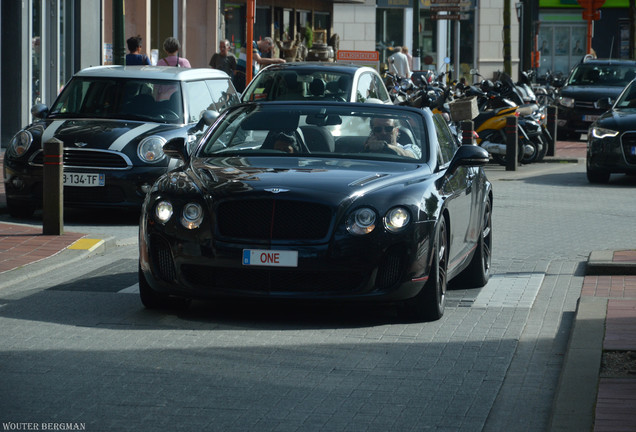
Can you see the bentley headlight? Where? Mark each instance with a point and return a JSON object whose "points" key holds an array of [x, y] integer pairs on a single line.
{"points": [[20, 143], [567, 102], [150, 149], [396, 219], [163, 211], [192, 216], [601, 133], [361, 221]]}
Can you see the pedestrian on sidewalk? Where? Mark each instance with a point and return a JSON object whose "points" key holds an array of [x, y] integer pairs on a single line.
{"points": [[172, 46]]}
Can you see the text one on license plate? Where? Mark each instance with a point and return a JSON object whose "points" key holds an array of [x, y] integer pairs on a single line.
{"points": [[82, 179], [272, 258]]}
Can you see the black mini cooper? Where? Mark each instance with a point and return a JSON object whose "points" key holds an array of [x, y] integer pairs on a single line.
{"points": [[113, 121]]}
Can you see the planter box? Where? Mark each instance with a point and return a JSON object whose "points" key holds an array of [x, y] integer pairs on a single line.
{"points": [[464, 109]]}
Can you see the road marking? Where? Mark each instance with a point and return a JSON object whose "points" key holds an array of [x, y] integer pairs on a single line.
{"points": [[87, 244], [133, 289], [510, 290]]}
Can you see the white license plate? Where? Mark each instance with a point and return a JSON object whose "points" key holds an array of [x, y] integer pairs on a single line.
{"points": [[590, 118], [83, 180], [271, 258]]}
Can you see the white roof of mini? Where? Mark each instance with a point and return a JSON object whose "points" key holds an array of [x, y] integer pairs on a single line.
{"points": [[153, 72]]}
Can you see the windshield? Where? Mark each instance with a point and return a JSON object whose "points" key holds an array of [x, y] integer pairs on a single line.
{"points": [[274, 84], [627, 98], [109, 98], [331, 131], [602, 75]]}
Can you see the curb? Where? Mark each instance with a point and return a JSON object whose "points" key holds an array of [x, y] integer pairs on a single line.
{"points": [[60, 259], [575, 400], [600, 263]]}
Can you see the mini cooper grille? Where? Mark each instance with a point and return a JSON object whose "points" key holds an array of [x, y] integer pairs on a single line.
{"points": [[269, 219], [279, 280], [628, 142], [85, 158], [162, 260], [584, 104]]}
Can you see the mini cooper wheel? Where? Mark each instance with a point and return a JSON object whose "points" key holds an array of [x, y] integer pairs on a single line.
{"points": [[154, 300], [19, 209], [430, 302]]}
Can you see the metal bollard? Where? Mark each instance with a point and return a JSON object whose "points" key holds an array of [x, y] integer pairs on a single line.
{"points": [[553, 114], [467, 132], [512, 143], [53, 198]]}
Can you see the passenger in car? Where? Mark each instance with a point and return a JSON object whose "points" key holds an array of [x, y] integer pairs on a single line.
{"points": [[384, 139], [286, 143]]}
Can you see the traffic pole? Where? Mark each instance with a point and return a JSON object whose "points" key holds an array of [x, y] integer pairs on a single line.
{"points": [[512, 143], [53, 199], [553, 113], [467, 132]]}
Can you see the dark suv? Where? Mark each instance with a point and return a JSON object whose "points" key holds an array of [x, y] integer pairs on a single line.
{"points": [[588, 82]]}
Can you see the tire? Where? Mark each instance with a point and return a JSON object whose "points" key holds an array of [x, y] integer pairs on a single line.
{"points": [[430, 302], [19, 209], [502, 160], [543, 141], [596, 176], [477, 274], [154, 300], [532, 157]]}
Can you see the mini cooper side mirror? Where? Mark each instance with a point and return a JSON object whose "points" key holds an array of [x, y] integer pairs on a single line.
{"points": [[39, 111], [176, 149]]}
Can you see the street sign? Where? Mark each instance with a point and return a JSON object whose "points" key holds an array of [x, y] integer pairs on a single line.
{"points": [[454, 17]]}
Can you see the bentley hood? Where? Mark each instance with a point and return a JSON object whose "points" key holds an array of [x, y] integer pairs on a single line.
{"points": [[298, 176]]}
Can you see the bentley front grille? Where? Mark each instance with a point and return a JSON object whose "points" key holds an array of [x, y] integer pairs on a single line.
{"points": [[272, 219], [88, 158]]}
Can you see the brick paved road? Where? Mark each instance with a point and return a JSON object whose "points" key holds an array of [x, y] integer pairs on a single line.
{"points": [[78, 347]]}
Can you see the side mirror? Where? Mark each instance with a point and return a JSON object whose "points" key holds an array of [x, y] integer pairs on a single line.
{"points": [[604, 103], [176, 149], [39, 111], [209, 117], [468, 155]]}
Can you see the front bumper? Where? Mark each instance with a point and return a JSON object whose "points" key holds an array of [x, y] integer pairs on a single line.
{"points": [[196, 265], [613, 155]]}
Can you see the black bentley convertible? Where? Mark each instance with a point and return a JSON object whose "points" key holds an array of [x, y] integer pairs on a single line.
{"points": [[311, 201]]}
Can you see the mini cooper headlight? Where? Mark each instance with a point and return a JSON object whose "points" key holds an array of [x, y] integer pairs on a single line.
{"points": [[163, 211], [361, 221], [566, 102], [150, 149], [20, 143], [192, 216], [396, 219], [601, 133]]}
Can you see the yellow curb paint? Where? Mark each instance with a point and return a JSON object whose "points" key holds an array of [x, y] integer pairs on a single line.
{"points": [[86, 244]]}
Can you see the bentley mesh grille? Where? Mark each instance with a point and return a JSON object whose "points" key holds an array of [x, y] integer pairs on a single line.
{"points": [[88, 158], [391, 269], [162, 260], [628, 143], [272, 219]]}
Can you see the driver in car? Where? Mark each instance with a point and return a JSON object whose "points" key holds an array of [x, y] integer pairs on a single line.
{"points": [[383, 139]]}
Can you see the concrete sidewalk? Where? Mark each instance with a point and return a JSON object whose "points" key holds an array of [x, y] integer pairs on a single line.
{"points": [[605, 323]]}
